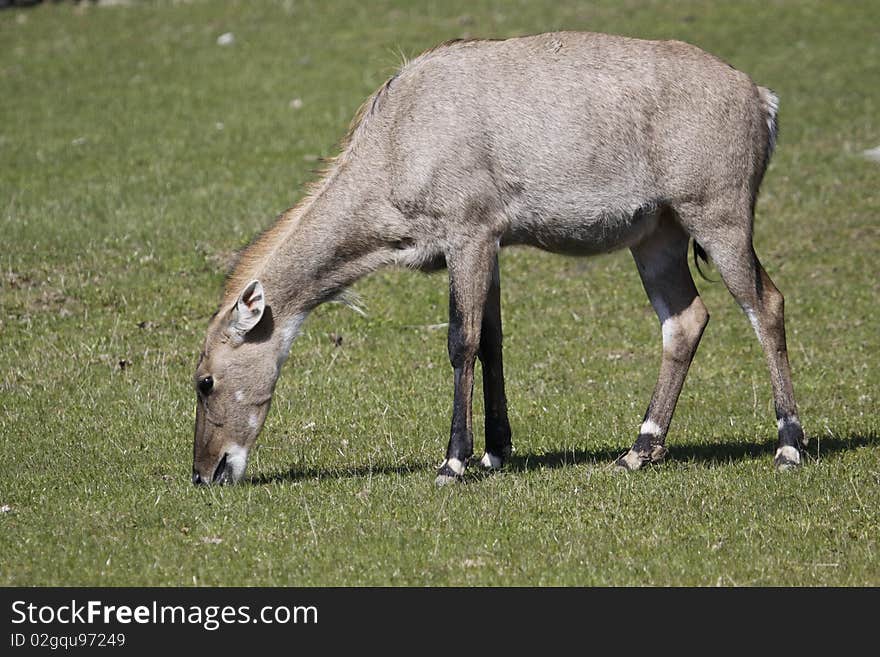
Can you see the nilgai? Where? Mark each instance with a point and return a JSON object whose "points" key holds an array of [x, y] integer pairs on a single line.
{"points": [[571, 142]]}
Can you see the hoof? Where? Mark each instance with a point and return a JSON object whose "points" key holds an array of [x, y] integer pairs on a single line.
{"points": [[658, 454], [452, 470], [787, 458], [629, 461], [635, 460], [491, 461], [444, 479]]}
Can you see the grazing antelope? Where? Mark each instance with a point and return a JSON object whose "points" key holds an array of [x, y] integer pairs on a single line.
{"points": [[575, 143]]}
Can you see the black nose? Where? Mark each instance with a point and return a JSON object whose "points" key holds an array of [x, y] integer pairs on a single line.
{"points": [[197, 478]]}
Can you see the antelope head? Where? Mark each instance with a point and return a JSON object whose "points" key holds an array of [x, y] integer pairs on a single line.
{"points": [[234, 382]]}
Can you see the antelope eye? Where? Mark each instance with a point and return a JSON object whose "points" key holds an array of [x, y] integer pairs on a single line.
{"points": [[206, 384]]}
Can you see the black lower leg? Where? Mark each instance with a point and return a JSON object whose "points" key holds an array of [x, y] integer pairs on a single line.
{"points": [[462, 355], [461, 437], [651, 438], [790, 431], [498, 443]]}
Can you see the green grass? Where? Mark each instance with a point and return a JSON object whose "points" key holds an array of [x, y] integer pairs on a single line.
{"points": [[136, 154]]}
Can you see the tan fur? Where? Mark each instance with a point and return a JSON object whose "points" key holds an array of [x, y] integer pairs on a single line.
{"points": [[571, 142]]}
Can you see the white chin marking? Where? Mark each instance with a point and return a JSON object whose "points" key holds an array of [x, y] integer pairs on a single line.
{"points": [[791, 419], [491, 462], [253, 421], [650, 427], [788, 455], [236, 461], [455, 465]]}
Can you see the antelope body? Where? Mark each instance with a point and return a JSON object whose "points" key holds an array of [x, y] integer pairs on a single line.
{"points": [[575, 143]]}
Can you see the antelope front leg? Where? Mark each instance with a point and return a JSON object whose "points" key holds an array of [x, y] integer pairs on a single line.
{"points": [[498, 445], [470, 273]]}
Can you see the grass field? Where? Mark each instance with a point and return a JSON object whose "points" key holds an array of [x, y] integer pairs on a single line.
{"points": [[137, 154]]}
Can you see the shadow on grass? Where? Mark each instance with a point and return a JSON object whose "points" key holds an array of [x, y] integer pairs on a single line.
{"points": [[345, 472], [716, 454], [726, 452], [20, 4]]}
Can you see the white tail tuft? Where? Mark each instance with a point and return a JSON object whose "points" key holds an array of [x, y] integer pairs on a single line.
{"points": [[770, 103]]}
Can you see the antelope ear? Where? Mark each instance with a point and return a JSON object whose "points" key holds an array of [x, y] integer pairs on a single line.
{"points": [[249, 308]]}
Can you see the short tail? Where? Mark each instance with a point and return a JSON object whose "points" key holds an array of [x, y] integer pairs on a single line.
{"points": [[770, 105], [700, 254]]}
